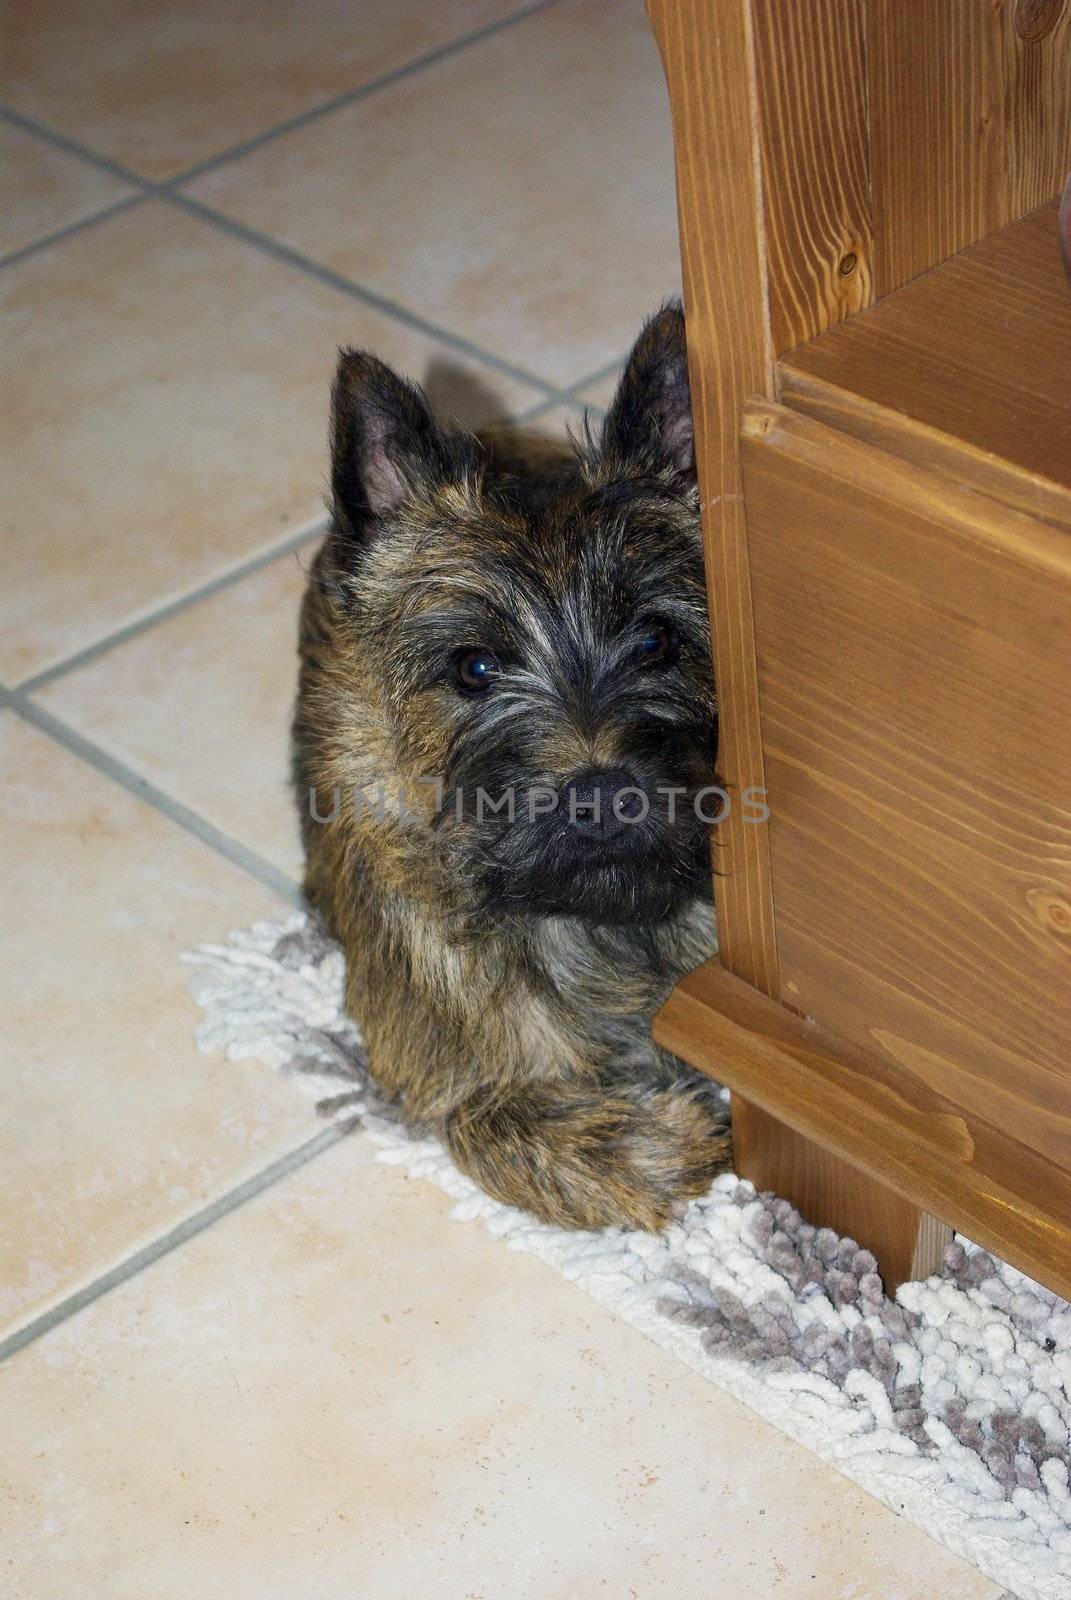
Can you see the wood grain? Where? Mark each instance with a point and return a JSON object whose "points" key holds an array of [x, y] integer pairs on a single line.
{"points": [[875, 1118], [907, 1243], [899, 434], [969, 127], [901, 634], [965, 370], [861, 134], [937, 131], [706, 48], [813, 139], [915, 677], [1037, 75]]}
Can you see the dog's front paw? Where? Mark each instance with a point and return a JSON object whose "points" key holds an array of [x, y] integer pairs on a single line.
{"points": [[679, 1140], [584, 1158]]}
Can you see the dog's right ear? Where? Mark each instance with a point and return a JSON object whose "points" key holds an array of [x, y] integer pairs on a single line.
{"points": [[649, 423], [385, 446]]}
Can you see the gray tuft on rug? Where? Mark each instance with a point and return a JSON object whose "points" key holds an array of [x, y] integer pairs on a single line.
{"points": [[951, 1403]]}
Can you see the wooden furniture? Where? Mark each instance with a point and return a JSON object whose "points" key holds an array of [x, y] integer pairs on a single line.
{"points": [[880, 345]]}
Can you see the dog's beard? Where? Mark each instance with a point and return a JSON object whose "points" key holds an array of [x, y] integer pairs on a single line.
{"points": [[599, 891], [531, 861], [644, 874]]}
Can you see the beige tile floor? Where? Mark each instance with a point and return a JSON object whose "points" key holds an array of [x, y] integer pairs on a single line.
{"points": [[360, 1396], [516, 231], [241, 1357], [44, 190]]}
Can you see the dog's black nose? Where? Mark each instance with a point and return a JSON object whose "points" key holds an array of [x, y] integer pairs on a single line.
{"points": [[604, 803]]}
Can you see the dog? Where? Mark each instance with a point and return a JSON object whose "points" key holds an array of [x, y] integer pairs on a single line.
{"points": [[506, 715]]}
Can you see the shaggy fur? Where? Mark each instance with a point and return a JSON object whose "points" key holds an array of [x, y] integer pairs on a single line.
{"points": [[504, 968]]}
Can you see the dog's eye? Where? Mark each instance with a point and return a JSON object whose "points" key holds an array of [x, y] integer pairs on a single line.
{"points": [[476, 669], [660, 645]]}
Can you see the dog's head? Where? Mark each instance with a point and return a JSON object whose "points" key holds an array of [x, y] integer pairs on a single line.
{"points": [[529, 655]]}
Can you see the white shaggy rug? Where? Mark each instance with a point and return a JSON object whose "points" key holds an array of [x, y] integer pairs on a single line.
{"points": [[951, 1403]]}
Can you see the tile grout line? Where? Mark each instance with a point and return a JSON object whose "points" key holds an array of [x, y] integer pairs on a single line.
{"points": [[551, 394], [264, 558], [350, 97], [571, 395], [536, 413], [189, 1228], [370, 297], [171, 608], [554, 394], [71, 147], [274, 248], [109, 766], [244, 569], [169, 193], [277, 130], [117, 771], [605, 371], [71, 228]]}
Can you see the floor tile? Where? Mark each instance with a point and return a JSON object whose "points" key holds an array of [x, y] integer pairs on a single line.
{"points": [[602, 391], [339, 1391], [114, 1127], [520, 193], [166, 396], [200, 705], [556, 421], [43, 189], [163, 86]]}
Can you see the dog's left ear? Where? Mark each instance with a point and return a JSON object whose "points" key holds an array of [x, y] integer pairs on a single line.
{"points": [[649, 423]]}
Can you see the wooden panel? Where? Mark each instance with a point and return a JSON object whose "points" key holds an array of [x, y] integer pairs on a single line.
{"points": [[905, 436], [915, 675], [816, 135], [969, 127], [706, 50], [1038, 76], [907, 1242], [812, 129], [966, 369], [878, 1118], [802, 130], [936, 87]]}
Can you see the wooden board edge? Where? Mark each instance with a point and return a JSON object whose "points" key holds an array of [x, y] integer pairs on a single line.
{"points": [[710, 74], [966, 514], [876, 1119], [896, 433]]}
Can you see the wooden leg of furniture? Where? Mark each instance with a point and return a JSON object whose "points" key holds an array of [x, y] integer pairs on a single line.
{"points": [[907, 1242]]}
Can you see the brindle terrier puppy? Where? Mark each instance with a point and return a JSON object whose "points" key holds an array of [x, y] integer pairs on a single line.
{"points": [[506, 711]]}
